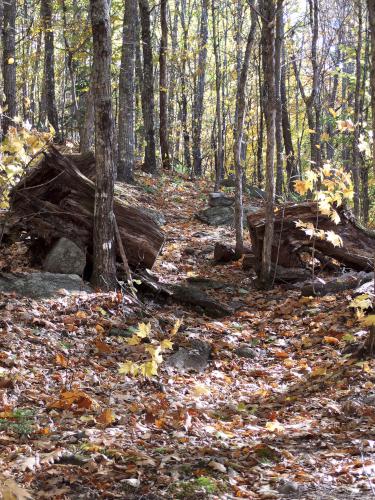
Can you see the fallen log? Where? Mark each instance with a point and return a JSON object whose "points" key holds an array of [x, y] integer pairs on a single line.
{"points": [[187, 295], [56, 199], [358, 248], [347, 281]]}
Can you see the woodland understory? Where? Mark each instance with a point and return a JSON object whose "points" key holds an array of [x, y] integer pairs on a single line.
{"points": [[294, 420], [200, 175]]}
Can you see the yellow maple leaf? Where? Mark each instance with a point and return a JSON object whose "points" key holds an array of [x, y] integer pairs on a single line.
{"points": [[301, 187], [176, 327], [134, 340], [369, 320], [334, 238], [143, 330], [166, 344], [129, 368], [275, 426]]}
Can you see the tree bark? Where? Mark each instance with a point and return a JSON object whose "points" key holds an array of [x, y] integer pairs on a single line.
{"points": [[184, 102], [163, 88], [148, 103], [49, 65], [357, 103], [219, 132], [126, 116], [9, 63], [104, 271], [291, 167], [268, 12], [199, 91], [238, 134], [278, 119], [371, 12]]}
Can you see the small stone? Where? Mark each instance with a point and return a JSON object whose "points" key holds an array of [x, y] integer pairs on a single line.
{"points": [[288, 488], [246, 352]]}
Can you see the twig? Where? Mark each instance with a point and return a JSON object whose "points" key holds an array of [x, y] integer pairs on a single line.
{"points": [[123, 254]]}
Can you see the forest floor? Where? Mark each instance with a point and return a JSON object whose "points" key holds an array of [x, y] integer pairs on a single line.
{"points": [[294, 420]]}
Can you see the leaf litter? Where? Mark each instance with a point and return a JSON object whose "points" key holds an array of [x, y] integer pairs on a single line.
{"points": [[280, 412]]}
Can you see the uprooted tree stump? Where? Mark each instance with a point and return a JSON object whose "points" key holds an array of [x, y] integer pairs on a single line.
{"points": [[289, 241], [56, 199]]}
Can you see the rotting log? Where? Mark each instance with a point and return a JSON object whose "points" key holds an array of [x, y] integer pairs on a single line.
{"points": [[358, 248], [56, 199], [347, 281]]}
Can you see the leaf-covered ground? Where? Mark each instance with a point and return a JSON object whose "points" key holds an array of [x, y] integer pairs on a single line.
{"points": [[279, 412]]}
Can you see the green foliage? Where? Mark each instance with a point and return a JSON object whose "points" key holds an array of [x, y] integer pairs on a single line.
{"points": [[20, 422]]}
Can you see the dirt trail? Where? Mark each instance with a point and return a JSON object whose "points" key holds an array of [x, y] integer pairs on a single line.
{"points": [[278, 412]]}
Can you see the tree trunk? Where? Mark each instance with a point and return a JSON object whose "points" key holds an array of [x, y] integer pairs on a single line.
{"points": [[163, 88], [126, 116], [357, 102], [49, 65], [371, 13], [278, 120], [219, 132], [9, 63], [238, 135], [268, 12], [184, 104], [148, 104], [291, 167], [199, 91], [173, 83], [1, 61], [104, 271], [87, 132]]}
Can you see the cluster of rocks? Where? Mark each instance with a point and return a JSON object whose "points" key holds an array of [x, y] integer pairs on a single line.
{"points": [[220, 210]]}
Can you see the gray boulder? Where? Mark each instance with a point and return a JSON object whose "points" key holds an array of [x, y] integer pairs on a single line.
{"points": [[65, 257], [220, 200], [216, 216], [41, 285]]}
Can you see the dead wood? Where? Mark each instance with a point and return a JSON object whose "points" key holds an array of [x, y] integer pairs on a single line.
{"points": [[188, 295], [358, 248], [56, 199], [347, 281]]}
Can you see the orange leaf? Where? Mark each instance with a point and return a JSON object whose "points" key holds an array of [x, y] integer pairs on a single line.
{"points": [[281, 354], [102, 346], [61, 360], [331, 340], [99, 329], [106, 417]]}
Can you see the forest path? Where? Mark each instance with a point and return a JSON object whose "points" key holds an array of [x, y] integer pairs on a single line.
{"points": [[277, 413]]}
